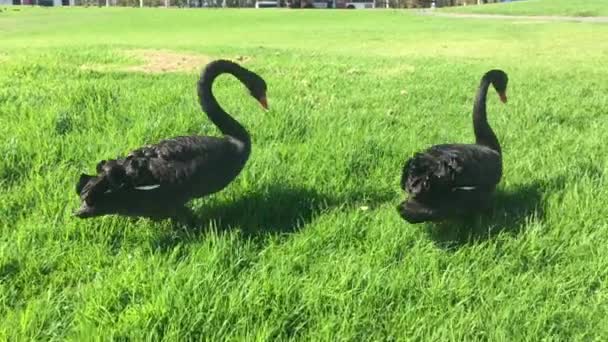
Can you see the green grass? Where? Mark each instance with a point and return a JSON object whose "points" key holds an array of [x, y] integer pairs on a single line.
{"points": [[306, 243], [582, 8]]}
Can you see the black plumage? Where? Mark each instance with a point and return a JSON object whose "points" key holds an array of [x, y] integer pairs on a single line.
{"points": [[157, 180], [453, 180]]}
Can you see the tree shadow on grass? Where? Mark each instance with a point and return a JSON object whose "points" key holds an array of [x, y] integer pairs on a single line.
{"points": [[278, 209], [509, 214]]}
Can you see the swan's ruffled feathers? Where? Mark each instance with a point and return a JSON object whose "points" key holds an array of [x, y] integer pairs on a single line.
{"points": [[446, 168], [168, 164]]}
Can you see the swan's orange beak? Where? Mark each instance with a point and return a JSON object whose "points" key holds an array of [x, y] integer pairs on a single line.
{"points": [[263, 102], [503, 97]]}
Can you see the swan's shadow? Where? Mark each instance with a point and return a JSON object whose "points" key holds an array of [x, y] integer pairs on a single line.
{"points": [[277, 209], [510, 212]]}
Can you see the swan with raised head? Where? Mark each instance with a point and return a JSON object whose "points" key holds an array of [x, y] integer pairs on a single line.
{"points": [[452, 180]]}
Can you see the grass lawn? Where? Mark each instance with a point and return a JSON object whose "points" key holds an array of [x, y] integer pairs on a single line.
{"points": [[306, 243], [583, 8]]}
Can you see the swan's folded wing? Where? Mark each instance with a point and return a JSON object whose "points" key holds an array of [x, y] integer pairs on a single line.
{"points": [[169, 167], [445, 168], [467, 167], [172, 162]]}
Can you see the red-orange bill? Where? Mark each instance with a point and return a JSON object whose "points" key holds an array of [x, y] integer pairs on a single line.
{"points": [[263, 102], [503, 97]]}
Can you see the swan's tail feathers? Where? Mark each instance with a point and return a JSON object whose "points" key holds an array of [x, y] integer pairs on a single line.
{"points": [[418, 173], [82, 181], [405, 173], [111, 176], [426, 173]]}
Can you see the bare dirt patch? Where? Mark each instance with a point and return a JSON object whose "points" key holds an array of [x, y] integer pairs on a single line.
{"points": [[519, 17], [155, 61], [396, 70], [159, 61], [530, 22]]}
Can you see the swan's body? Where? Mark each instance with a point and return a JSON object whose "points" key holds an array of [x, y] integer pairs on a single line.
{"points": [[456, 179], [157, 180]]}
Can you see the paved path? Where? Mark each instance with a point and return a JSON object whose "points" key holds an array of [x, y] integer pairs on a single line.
{"points": [[518, 17]]}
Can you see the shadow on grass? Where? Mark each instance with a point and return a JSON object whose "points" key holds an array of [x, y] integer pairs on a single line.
{"points": [[510, 212], [278, 209]]}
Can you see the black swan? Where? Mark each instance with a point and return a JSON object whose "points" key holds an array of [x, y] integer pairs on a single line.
{"points": [[156, 181], [452, 180]]}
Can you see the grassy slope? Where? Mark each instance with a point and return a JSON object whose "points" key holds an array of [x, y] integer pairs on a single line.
{"points": [[286, 250], [586, 8]]}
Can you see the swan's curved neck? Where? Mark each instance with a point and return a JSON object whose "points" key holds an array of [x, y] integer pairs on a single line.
{"points": [[226, 123], [483, 132]]}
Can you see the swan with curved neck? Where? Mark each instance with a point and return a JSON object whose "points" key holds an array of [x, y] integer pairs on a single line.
{"points": [[156, 181], [452, 180], [484, 135], [226, 123]]}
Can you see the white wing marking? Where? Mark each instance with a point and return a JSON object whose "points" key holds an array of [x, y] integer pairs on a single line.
{"points": [[467, 188], [147, 187]]}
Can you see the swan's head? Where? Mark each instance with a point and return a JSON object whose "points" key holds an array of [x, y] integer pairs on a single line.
{"points": [[257, 88], [499, 80]]}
